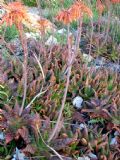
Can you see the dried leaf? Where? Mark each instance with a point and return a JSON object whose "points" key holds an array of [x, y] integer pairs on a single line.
{"points": [[29, 149]]}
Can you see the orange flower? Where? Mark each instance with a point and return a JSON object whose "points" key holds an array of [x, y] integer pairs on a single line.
{"points": [[15, 14], [64, 16], [100, 6], [115, 1], [44, 24], [83, 8], [77, 10], [87, 10]]}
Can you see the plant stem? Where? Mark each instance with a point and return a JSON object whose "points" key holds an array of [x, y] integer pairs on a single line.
{"points": [[63, 104], [79, 33], [66, 88], [39, 8], [52, 149], [41, 92], [91, 37], [25, 49], [70, 62], [108, 25], [40, 66]]}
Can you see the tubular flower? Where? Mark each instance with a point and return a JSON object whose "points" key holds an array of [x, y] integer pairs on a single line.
{"points": [[65, 17], [84, 9], [44, 24], [115, 1], [16, 14], [77, 10], [100, 6]]}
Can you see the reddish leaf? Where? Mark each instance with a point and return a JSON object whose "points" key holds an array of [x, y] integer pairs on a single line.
{"points": [[59, 144], [29, 149], [9, 137], [23, 132]]}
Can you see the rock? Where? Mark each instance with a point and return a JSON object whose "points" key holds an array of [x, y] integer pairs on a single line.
{"points": [[33, 14], [100, 61], [62, 31], [77, 102], [93, 156], [2, 12], [113, 141], [19, 155], [2, 137], [57, 158], [18, 50], [83, 158], [112, 66], [87, 58], [82, 126], [51, 41], [33, 10], [116, 133], [32, 35]]}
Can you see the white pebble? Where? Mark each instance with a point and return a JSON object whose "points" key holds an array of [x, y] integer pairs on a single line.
{"points": [[91, 155], [61, 31], [83, 158], [77, 102], [113, 141], [2, 137], [51, 41], [82, 126], [116, 133]]}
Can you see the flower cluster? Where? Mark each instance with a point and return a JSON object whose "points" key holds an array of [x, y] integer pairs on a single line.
{"points": [[76, 11], [44, 24], [115, 1], [100, 6], [16, 13]]}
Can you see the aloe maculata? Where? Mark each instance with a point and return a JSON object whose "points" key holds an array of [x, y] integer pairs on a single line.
{"points": [[20, 127]]}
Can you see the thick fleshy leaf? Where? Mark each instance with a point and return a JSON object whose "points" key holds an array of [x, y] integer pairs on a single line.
{"points": [[29, 149], [8, 137]]}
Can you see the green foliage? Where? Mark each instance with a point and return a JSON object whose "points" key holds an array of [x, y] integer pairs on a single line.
{"points": [[3, 94], [11, 33], [56, 4], [94, 86], [97, 120], [61, 38], [87, 92], [68, 110], [30, 3], [6, 150]]}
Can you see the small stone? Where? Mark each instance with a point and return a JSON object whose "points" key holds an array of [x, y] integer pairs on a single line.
{"points": [[87, 58], [51, 41], [2, 137], [82, 126], [116, 133], [113, 141], [18, 155], [61, 31], [32, 35], [91, 155], [83, 158], [2, 12], [100, 61], [77, 102]]}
